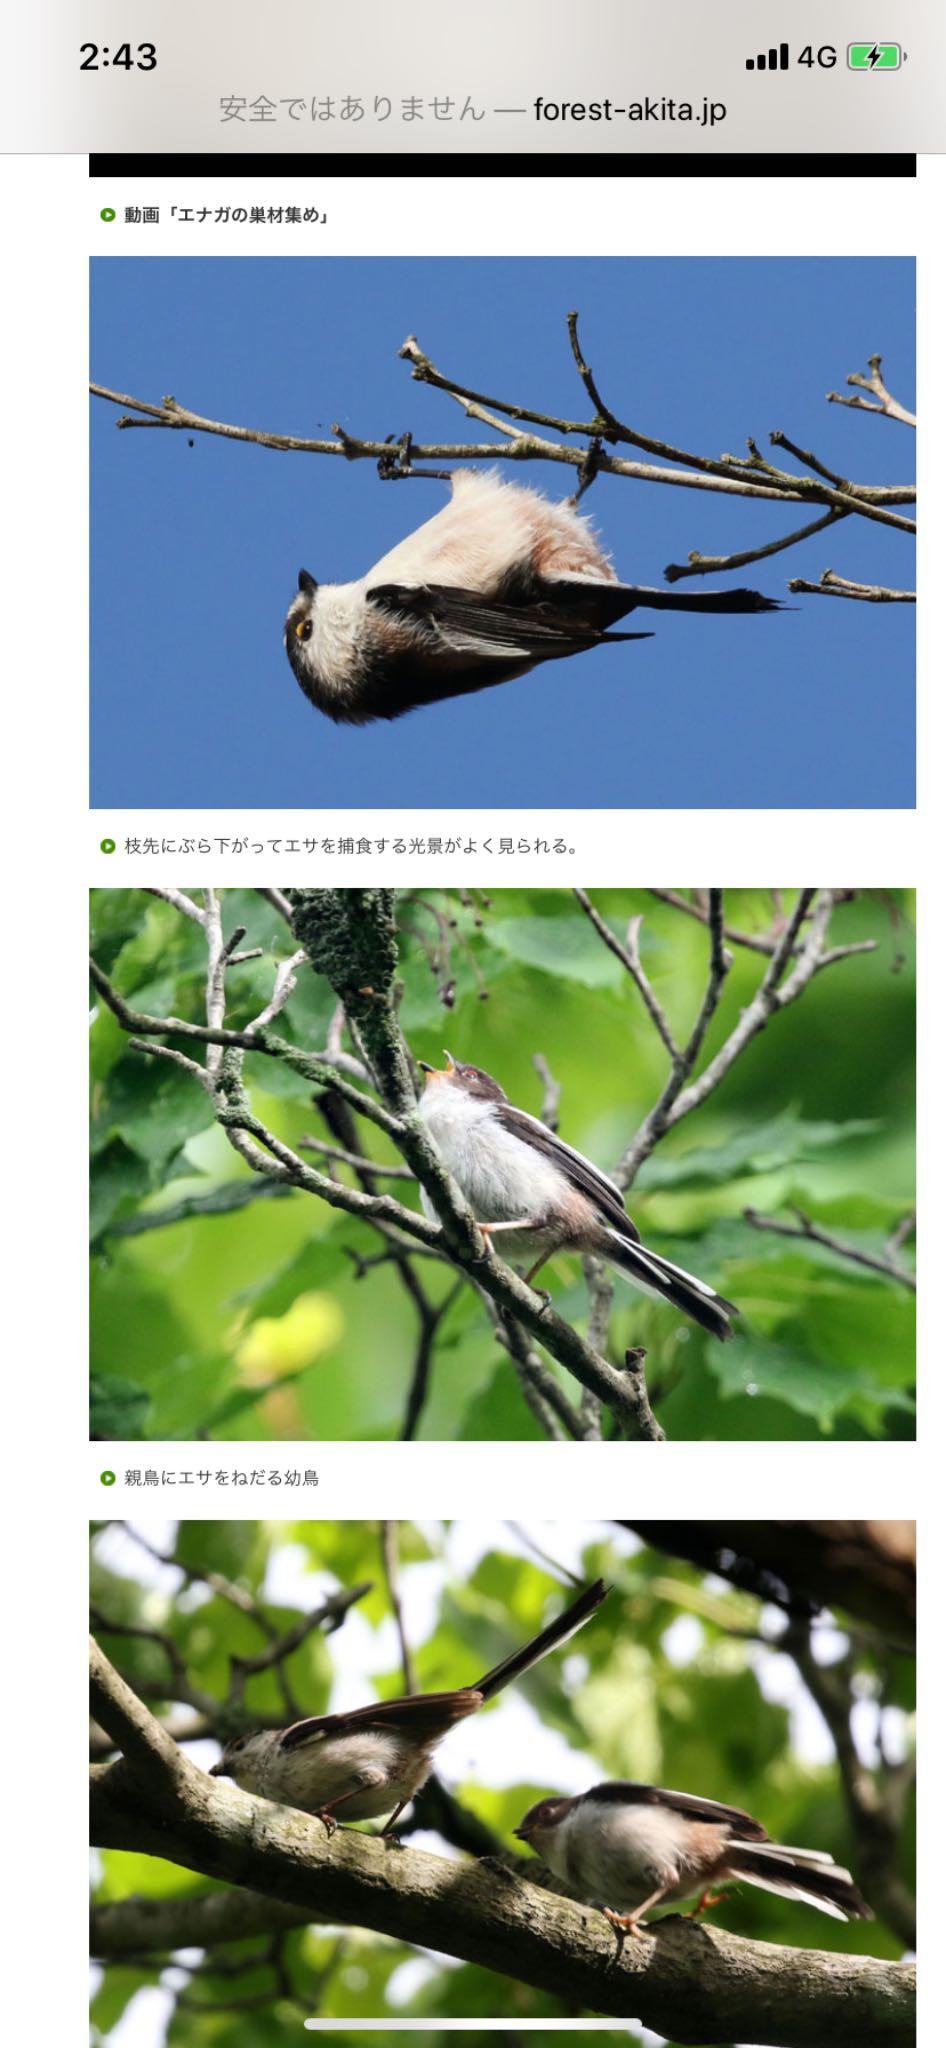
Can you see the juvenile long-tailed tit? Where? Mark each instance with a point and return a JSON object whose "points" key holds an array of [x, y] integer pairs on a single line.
{"points": [[498, 581], [629, 1847], [374, 1760], [537, 1196]]}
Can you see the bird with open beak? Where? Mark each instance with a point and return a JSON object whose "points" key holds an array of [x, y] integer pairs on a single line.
{"points": [[628, 1847], [498, 581], [530, 1190], [375, 1759]]}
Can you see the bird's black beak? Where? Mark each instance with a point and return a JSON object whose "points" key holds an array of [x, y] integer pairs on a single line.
{"points": [[307, 583]]}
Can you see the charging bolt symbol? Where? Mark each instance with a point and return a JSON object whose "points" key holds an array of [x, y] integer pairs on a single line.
{"points": [[874, 56]]}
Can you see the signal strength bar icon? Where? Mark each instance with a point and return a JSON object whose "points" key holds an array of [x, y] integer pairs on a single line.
{"points": [[777, 60]]}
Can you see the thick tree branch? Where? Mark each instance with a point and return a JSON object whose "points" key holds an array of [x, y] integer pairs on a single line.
{"points": [[867, 1569], [140, 1926], [149, 1751]]}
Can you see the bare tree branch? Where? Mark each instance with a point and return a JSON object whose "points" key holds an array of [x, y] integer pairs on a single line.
{"points": [[699, 565], [805, 1228], [840, 586], [889, 406]]}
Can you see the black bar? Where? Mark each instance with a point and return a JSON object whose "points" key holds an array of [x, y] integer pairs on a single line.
{"points": [[773, 60], [783, 56], [681, 164]]}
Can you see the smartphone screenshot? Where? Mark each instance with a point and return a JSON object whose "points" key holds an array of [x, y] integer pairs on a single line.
{"points": [[472, 987]]}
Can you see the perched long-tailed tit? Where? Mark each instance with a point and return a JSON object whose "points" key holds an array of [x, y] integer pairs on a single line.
{"points": [[375, 1760], [500, 580], [520, 1179], [635, 1846]]}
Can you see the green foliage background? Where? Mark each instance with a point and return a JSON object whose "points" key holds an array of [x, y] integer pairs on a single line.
{"points": [[253, 1323], [635, 1695]]}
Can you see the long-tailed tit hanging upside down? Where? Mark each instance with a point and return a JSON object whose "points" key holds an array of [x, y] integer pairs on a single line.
{"points": [[498, 581]]}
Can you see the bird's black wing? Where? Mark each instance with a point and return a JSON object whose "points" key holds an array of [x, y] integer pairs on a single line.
{"points": [[464, 623], [603, 1192], [625, 1792]]}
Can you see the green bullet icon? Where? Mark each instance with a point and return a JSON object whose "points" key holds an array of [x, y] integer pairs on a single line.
{"points": [[107, 1478], [106, 845], [107, 213]]}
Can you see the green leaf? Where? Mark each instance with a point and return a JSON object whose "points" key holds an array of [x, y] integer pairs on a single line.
{"points": [[118, 1179], [116, 1408], [154, 1107], [566, 947], [760, 1148], [318, 1262], [499, 1412], [751, 1366]]}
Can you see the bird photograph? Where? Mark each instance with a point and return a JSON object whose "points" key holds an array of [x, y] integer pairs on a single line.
{"points": [[586, 532], [532, 1164], [301, 1804]]}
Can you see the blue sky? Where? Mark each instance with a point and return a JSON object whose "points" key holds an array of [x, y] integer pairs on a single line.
{"points": [[195, 550]]}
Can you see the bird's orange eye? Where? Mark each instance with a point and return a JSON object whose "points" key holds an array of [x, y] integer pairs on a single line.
{"points": [[304, 629]]}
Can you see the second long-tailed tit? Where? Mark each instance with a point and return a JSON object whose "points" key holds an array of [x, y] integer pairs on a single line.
{"points": [[628, 1847], [537, 1196], [498, 581], [358, 1765]]}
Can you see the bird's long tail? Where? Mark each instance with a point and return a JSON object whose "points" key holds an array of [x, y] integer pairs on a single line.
{"points": [[799, 1874], [659, 1276], [698, 600], [600, 604], [557, 1632]]}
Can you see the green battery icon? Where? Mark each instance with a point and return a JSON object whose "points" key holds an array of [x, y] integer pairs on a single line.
{"points": [[873, 56]]}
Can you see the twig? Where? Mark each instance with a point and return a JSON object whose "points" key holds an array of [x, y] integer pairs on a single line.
{"points": [[391, 1559], [756, 942], [839, 586], [629, 956], [773, 994], [540, 1389], [353, 1159], [551, 1091], [890, 407], [905, 1229], [698, 565], [807, 1229]]}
